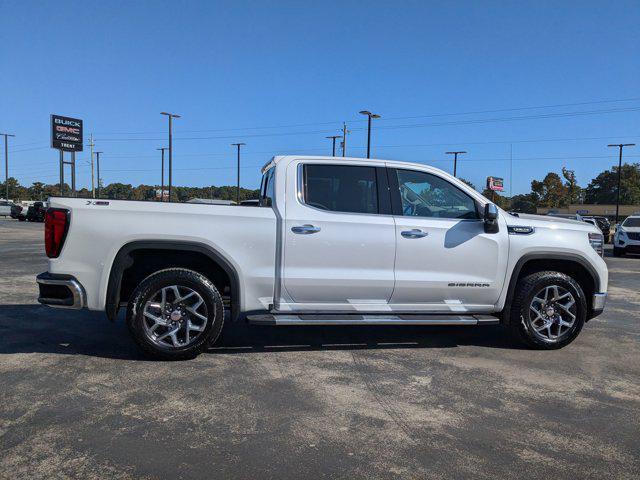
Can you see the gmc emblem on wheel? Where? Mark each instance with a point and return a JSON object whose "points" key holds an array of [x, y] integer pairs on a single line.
{"points": [[467, 284]]}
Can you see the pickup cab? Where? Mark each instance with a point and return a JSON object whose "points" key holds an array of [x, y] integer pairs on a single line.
{"points": [[331, 241]]}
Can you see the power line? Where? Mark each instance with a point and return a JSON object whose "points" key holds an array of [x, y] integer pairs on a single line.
{"points": [[474, 112], [395, 127], [509, 119]]}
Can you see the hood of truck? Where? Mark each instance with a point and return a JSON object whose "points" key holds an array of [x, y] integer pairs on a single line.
{"points": [[546, 221], [630, 229]]}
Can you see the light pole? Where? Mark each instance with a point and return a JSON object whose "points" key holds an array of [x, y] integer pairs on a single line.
{"points": [[6, 164], [455, 160], [97, 154], [238, 189], [162, 175], [620, 147], [370, 116], [171, 117], [333, 137]]}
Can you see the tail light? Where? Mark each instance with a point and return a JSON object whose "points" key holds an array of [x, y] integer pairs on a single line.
{"points": [[56, 225]]}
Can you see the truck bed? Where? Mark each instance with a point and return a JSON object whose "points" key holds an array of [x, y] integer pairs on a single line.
{"points": [[244, 235]]}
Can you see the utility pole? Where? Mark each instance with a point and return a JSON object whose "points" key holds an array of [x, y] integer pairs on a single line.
{"points": [[171, 116], [93, 186], [333, 137], [238, 189], [98, 165], [6, 164], [344, 138], [620, 147], [455, 160], [162, 174], [370, 116]]}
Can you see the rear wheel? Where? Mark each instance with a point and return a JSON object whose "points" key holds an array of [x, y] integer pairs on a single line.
{"points": [[548, 311], [174, 314], [618, 252]]}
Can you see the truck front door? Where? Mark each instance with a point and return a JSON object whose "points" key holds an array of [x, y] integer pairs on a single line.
{"points": [[445, 262]]}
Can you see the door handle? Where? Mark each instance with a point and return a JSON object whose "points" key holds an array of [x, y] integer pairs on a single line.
{"points": [[415, 233], [305, 229]]}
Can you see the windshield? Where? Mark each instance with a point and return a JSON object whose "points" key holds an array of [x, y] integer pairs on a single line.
{"points": [[631, 222]]}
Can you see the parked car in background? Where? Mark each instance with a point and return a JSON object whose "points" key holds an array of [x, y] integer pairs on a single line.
{"points": [[18, 213], [591, 221], [568, 216], [603, 224], [36, 212], [627, 236], [5, 208], [332, 241]]}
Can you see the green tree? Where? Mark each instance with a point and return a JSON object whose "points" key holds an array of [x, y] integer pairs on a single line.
{"points": [[117, 191], [524, 203], [573, 190], [499, 200], [16, 191], [604, 188], [36, 190], [550, 192], [467, 182]]}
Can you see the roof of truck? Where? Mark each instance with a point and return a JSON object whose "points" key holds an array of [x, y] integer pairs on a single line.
{"points": [[281, 158]]}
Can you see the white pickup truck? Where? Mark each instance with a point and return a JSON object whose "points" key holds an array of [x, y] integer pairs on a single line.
{"points": [[333, 241]]}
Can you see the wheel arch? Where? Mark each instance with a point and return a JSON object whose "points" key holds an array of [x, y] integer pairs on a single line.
{"points": [[124, 259], [571, 264]]}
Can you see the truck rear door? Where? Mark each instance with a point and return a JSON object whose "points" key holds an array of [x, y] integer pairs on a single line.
{"points": [[339, 237]]}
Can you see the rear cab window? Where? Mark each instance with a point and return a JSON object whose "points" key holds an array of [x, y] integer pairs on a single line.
{"points": [[341, 188], [267, 188]]}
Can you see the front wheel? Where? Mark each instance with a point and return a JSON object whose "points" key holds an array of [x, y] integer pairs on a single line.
{"points": [[618, 252], [548, 311], [174, 314]]}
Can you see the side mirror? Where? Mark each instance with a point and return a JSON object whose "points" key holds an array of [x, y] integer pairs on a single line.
{"points": [[490, 212], [491, 218]]}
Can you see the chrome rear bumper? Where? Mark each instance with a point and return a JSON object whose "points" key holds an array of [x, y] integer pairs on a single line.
{"points": [[62, 291]]}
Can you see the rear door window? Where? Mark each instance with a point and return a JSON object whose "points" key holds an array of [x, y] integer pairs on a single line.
{"points": [[341, 188]]}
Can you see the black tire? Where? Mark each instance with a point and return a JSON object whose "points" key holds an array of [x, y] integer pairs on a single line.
{"points": [[21, 219], [149, 288], [520, 321], [618, 252]]}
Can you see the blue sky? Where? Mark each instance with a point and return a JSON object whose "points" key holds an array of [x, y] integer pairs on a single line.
{"points": [[282, 75]]}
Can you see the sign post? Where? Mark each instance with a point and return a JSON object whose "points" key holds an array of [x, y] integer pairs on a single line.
{"points": [[495, 184], [67, 136]]}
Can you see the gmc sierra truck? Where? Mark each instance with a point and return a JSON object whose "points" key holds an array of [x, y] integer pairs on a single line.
{"points": [[332, 241]]}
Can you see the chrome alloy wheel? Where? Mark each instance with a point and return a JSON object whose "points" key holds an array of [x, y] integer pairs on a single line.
{"points": [[175, 316], [552, 313]]}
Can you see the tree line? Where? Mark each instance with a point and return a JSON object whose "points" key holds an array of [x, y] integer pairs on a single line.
{"points": [[125, 191], [555, 190]]}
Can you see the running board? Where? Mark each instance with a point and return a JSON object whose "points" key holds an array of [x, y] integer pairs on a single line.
{"points": [[351, 319]]}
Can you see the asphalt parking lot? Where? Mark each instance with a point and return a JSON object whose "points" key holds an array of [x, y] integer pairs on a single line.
{"points": [[78, 401]]}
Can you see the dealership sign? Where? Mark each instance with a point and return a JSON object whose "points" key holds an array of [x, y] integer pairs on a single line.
{"points": [[495, 183], [66, 133]]}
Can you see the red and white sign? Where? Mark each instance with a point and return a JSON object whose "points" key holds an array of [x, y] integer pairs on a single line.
{"points": [[495, 183]]}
